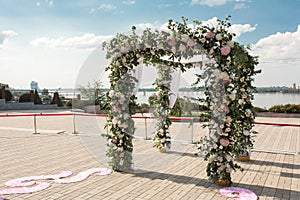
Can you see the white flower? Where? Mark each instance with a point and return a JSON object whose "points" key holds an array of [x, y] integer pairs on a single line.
{"points": [[219, 36], [182, 47], [248, 112], [224, 76], [230, 44], [111, 93], [228, 119], [246, 133], [232, 96], [241, 101], [185, 38]]}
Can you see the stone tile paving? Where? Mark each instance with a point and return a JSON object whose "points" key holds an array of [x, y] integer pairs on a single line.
{"points": [[269, 175]]}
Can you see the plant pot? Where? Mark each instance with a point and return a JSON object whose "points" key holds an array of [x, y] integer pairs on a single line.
{"points": [[243, 158], [223, 182]]}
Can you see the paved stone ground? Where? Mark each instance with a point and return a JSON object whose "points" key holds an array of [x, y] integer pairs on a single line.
{"points": [[176, 175]]}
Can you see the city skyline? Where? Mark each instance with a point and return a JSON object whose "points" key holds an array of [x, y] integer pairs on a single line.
{"points": [[50, 41]]}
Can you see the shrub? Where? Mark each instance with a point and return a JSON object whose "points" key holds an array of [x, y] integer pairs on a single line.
{"points": [[24, 97], [288, 108], [259, 109]]}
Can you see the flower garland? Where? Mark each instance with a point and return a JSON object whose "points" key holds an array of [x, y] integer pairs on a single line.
{"points": [[234, 68], [120, 123], [162, 139], [229, 91]]}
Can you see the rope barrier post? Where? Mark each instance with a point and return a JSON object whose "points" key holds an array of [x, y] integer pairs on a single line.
{"points": [[192, 130], [34, 124], [74, 124], [146, 131]]}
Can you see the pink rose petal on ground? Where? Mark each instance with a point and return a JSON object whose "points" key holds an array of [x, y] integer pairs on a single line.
{"points": [[25, 190], [27, 185], [82, 175], [239, 193]]}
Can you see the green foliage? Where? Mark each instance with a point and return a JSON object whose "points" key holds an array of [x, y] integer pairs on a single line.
{"points": [[288, 108], [94, 93], [258, 109], [25, 97], [37, 99]]}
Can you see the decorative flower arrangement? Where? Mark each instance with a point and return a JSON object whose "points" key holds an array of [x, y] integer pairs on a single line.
{"points": [[228, 89], [120, 123], [230, 130], [162, 139]]}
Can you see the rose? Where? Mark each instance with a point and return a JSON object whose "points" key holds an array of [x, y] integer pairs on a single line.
{"points": [[210, 35], [219, 36], [172, 42], [225, 50], [224, 142], [246, 133], [228, 129], [230, 44], [182, 47], [191, 43], [202, 40], [185, 38]]}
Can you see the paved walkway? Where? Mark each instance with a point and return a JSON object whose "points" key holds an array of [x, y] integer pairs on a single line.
{"points": [[176, 175]]}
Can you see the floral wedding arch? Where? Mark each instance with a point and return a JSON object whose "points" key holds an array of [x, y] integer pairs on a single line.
{"points": [[229, 74]]}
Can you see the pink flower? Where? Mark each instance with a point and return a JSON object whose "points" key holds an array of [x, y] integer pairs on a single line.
{"points": [[190, 43], [225, 50], [224, 142], [210, 35], [228, 129], [172, 42], [227, 110]]}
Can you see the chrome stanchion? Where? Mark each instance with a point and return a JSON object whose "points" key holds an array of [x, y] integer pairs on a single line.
{"points": [[74, 124], [34, 125], [146, 130]]}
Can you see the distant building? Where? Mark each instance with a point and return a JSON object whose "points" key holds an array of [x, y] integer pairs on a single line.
{"points": [[34, 86], [294, 86], [4, 85]]}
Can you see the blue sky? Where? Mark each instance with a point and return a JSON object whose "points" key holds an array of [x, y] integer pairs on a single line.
{"points": [[49, 41]]}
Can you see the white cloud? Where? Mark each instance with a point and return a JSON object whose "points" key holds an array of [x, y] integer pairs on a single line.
{"points": [[239, 6], [279, 47], [4, 35], [209, 3], [239, 29], [50, 2], [104, 7], [129, 2], [86, 41]]}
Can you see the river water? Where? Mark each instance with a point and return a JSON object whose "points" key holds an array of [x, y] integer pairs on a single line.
{"points": [[263, 100]]}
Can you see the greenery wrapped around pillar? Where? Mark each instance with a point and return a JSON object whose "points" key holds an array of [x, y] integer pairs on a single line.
{"points": [[162, 138], [119, 123]]}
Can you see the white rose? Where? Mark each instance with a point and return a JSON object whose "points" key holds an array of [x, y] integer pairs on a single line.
{"points": [[241, 101], [182, 47], [224, 76], [111, 93], [230, 44], [185, 38], [219, 36], [246, 133], [232, 96]]}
